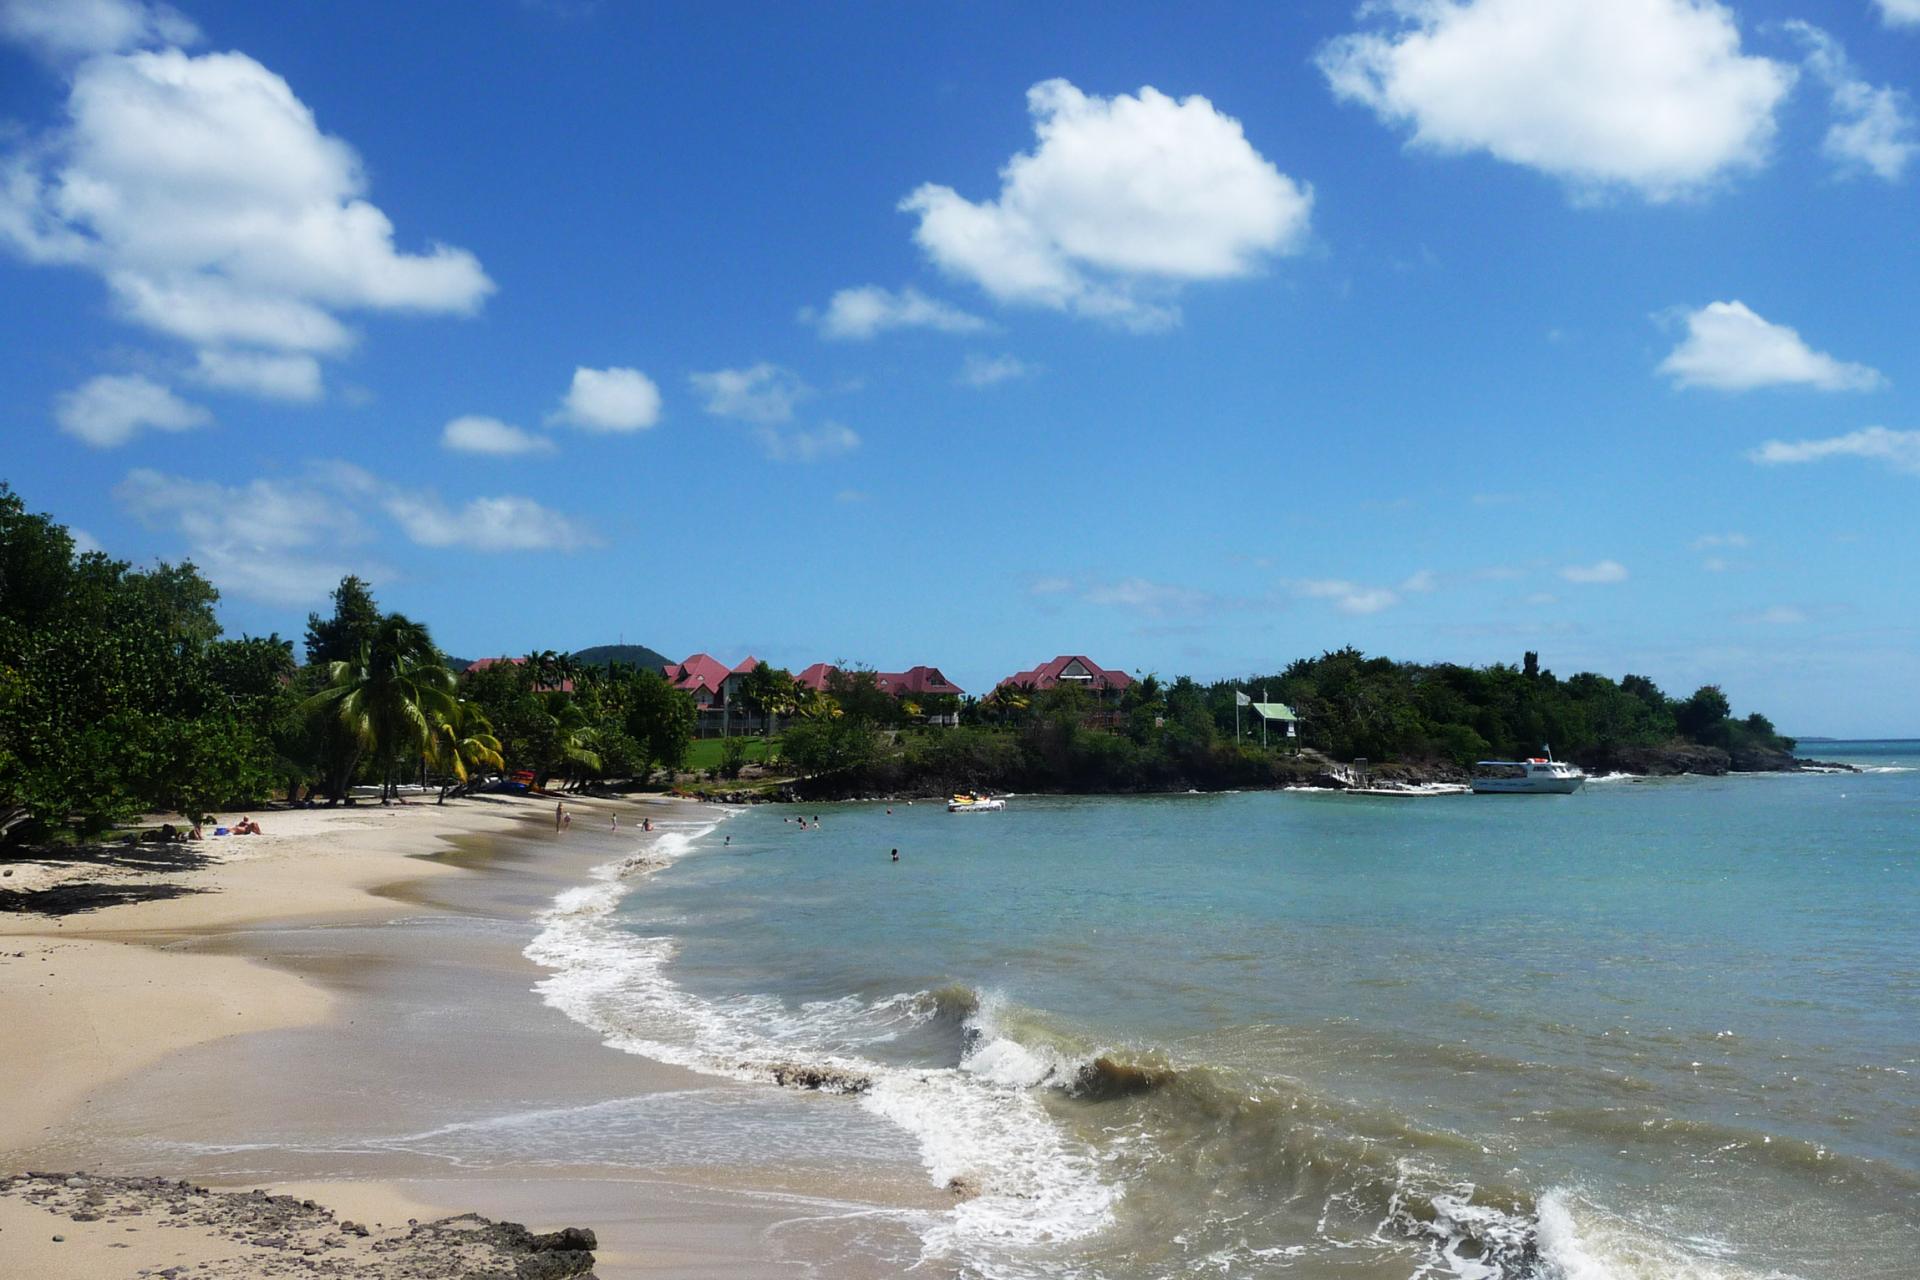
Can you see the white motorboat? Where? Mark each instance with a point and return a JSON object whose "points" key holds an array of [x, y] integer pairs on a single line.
{"points": [[1534, 776], [971, 803]]}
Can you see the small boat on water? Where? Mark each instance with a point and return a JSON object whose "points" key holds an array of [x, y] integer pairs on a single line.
{"points": [[1534, 776], [968, 802]]}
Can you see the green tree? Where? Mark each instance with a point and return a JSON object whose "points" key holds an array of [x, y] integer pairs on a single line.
{"points": [[660, 720], [769, 691], [462, 742], [341, 636], [385, 701]]}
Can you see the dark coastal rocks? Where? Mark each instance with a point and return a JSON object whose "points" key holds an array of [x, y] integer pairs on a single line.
{"points": [[1660, 762], [281, 1236], [1679, 758], [1766, 760], [806, 1075]]}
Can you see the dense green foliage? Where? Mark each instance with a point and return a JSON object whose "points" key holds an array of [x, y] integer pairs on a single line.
{"points": [[1437, 719], [118, 694], [1352, 706]]}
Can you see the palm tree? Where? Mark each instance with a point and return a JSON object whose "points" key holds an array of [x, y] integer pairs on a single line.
{"points": [[573, 736], [817, 704], [1008, 701], [463, 741], [543, 670], [386, 698]]}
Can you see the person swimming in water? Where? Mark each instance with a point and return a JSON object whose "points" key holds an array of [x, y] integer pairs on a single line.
{"points": [[896, 855]]}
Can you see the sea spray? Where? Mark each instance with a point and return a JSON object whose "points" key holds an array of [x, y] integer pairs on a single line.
{"points": [[979, 1129]]}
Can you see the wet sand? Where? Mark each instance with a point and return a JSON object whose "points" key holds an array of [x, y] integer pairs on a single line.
{"points": [[350, 1019]]}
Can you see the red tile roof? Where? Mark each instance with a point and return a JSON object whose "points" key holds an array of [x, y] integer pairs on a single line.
{"points": [[918, 681], [1048, 674], [698, 672], [815, 677]]}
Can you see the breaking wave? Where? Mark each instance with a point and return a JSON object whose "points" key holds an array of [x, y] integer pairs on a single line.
{"points": [[980, 1131], [1066, 1156]]}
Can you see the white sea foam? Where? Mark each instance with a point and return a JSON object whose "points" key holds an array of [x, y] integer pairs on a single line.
{"points": [[1577, 1240], [979, 1127]]}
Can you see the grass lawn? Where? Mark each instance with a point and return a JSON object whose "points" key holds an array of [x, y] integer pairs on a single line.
{"points": [[705, 752]]}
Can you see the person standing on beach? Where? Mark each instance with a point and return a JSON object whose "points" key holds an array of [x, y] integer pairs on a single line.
{"points": [[559, 813]]}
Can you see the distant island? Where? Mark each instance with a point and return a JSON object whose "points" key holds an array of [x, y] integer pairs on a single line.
{"points": [[120, 696]]}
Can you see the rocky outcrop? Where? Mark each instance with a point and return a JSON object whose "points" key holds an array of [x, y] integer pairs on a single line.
{"points": [[280, 1236], [1666, 761]]}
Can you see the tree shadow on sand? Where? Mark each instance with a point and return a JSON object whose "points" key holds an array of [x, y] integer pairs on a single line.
{"points": [[91, 895]]}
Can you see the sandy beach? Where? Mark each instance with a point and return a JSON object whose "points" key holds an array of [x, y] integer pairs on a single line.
{"points": [[354, 977]]}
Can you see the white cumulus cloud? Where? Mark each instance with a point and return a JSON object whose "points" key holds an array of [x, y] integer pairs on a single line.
{"points": [[203, 193], [1873, 127], [271, 540], [475, 433], [288, 539], [763, 393], [62, 29], [862, 312], [1900, 13], [486, 524], [1730, 348], [792, 444], [1348, 597], [1121, 197], [988, 371], [111, 409], [614, 399], [269, 375], [1898, 449], [1421, 582], [1599, 573], [1653, 96], [1151, 599]]}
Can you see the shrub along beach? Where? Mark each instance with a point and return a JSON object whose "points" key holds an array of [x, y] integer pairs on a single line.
{"points": [[119, 696]]}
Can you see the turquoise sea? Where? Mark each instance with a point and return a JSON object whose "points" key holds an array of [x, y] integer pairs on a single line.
{"points": [[1655, 1029]]}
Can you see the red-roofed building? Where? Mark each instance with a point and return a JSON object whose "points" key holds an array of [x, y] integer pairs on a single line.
{"points": [[715, 688], [1075, 669], [712, 683], [915, 683], [815, 677]]}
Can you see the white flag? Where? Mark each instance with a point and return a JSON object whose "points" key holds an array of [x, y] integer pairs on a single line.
{"points": [[1241, 699]]}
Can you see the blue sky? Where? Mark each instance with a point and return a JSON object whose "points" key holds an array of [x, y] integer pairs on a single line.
{"points": [[976, 334]]}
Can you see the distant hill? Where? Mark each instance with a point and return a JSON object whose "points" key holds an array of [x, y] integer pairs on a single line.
{"points": [[636, 655], [599, 656]]}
